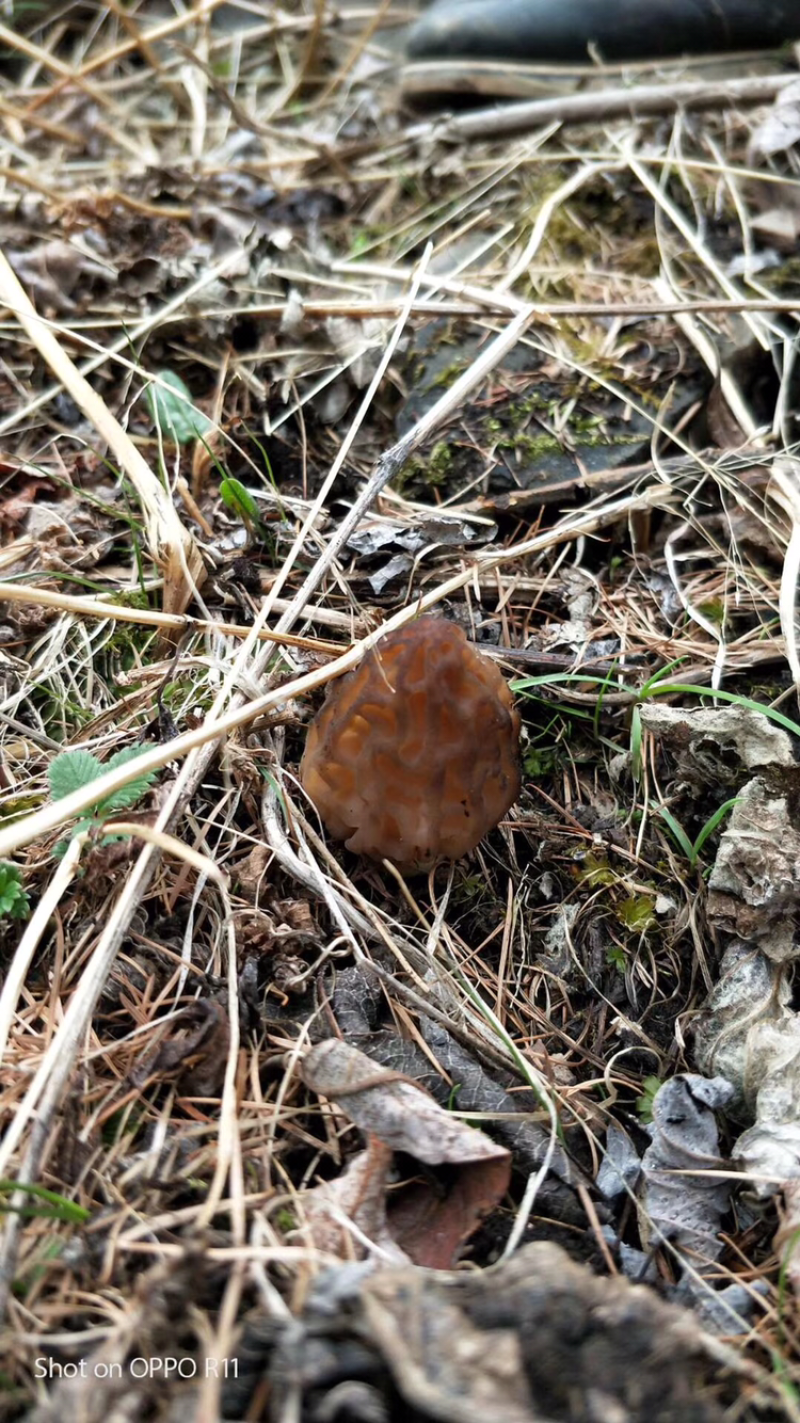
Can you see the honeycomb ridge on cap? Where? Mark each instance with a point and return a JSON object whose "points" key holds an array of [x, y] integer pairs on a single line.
{"points": [[414, 755]]}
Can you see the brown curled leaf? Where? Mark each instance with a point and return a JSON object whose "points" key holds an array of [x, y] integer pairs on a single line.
{"points": [[431, 1216], [385, 1103]]}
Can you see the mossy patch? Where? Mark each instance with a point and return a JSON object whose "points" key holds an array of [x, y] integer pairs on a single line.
{"points": [[431, 471]]}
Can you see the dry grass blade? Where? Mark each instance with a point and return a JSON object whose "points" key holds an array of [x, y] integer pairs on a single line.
{"points": [[172, 545], [15, 977]]}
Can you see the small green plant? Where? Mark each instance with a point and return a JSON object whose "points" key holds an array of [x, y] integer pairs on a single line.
{"points": [[241, 502], [656, 686], [659, 686], [470, 888], [615, 957], [170, 403], [540, 761], [73, 770], [593, 870], [14, 902], [636, 913], [644, 1104]]}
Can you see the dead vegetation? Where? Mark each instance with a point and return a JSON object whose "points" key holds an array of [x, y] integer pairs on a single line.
{"points": [[285, 365]]}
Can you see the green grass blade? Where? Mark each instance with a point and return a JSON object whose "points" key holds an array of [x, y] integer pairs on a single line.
{"points": [[678, 833], [712, 823]]}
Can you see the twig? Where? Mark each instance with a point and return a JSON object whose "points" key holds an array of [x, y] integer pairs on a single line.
{"points": [[146, 617], [497, 122]]}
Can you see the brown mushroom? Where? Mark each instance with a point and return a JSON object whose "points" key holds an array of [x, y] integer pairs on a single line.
{"points": [[414, 755]]}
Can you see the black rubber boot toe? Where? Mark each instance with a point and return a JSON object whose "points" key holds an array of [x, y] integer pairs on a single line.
{"points": [[571, 30]]}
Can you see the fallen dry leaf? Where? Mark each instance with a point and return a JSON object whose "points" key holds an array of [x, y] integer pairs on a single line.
{"points": [[396, 1110], [428, 1219], [357, 1197], [684, 1197], [198, 1044]]}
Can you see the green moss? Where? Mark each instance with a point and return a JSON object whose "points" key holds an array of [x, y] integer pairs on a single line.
{"points": [[447, 377], [567, 236], [522, 408], [129, 641], [540, 761], [602, 438], [531, 447], [432, 470], [440, 462], [586, 424], [784, 279], [536, 447], [131, 598]]}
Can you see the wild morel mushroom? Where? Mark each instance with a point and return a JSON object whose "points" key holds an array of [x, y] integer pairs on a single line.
{"points": [[414, 755]]}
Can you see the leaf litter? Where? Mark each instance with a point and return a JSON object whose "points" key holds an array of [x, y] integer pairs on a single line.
{"points": [[287, 364]]}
